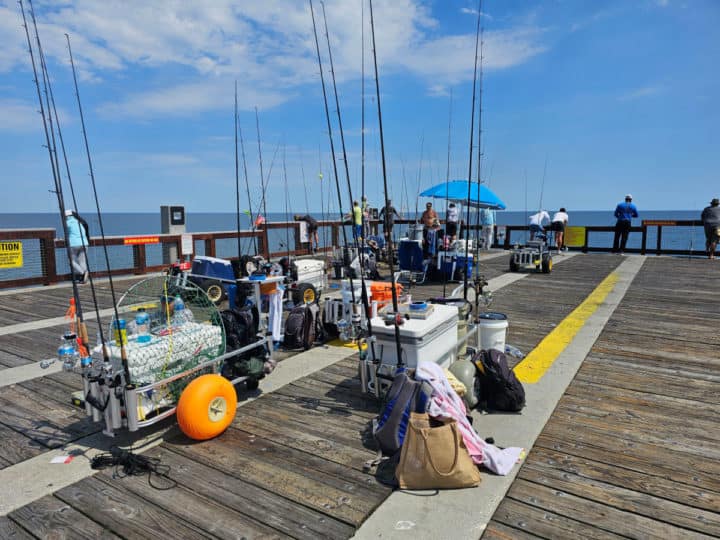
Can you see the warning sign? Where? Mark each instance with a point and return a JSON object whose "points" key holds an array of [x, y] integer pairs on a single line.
{"points": [[135, 240], [574, 236], [11, 255]]}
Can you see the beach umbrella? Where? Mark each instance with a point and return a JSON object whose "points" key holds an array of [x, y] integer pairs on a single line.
{"points": [[457, 191]]}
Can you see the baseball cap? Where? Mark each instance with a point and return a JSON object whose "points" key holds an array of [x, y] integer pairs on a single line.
{"points": [[628, 196], [68, 213], [715, 202]]}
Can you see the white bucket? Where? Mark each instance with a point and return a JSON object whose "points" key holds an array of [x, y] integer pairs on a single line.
{"points": [[493, 329]]}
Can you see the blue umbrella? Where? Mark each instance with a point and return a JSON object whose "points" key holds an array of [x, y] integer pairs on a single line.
{"points": [[457, 191]]}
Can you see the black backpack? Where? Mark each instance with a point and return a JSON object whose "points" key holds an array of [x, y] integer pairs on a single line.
{"points": [[496, 384], [241, 328]]}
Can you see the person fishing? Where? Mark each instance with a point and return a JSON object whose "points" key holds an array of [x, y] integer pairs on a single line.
{"points": [[365, 207], [557, 225], [388, 215], [538, 222], [624, 212], [312, 230], [711, 221], [78, 234], [431, 224], [357, 221]]}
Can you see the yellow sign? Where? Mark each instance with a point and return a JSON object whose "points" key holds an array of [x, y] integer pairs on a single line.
{"points": [[11, 255], [574, 236]]}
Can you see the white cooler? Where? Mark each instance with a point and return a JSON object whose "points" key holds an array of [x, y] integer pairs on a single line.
{"points": [[433, 339]]}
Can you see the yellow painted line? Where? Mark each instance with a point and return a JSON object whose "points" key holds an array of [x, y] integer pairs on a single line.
{"points": [[532, 368]]}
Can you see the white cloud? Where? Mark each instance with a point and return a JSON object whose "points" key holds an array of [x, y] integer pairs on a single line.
{"points": [[267, 45], [639, 93], [19, 116]]}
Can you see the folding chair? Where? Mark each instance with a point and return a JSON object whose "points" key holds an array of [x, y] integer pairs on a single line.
{"points": [[412, 263]]}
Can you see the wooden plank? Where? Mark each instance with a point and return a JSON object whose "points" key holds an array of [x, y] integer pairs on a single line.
{"points": [[9, 530], [123, 513], [641, 401], [34, 426], [642, 458], [607, 492], [344, 438], [50, 517], [641, 420], [497, 531], [703, 454], [303, 485], [528, 519], [281, 514], [204, 513], [16, 447], [591, 513]]}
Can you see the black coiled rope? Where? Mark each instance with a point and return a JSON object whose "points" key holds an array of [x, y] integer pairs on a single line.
{"points": [[126, 463]]}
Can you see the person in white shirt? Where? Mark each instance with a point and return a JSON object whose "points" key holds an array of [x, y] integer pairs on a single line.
{"points": [[451, 225], [538, 222], [558, 224]]}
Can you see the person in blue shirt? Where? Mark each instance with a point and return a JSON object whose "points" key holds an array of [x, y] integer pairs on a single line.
{"points": [[487, 221], [624, 212], [77, 230]]}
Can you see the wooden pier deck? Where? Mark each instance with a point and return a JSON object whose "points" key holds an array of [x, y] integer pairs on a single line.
{"points": [[631, 450]]}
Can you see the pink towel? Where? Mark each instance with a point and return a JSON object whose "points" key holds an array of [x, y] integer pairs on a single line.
{"points": [[445, 404]]}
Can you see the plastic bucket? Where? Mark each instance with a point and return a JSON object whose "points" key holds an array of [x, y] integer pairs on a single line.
{"points": [[493, 328]]}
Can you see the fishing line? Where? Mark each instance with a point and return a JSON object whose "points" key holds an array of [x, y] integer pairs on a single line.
{"points": [[479, 158], [237, 178], [447, 182], [123, 351], [393, 288], [470, 165]]}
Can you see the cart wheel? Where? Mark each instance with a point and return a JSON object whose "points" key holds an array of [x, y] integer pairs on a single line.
{"points": [[546, 263], [304, 294], [206, 407], [513, 265], [252, 384], [214, 289]]}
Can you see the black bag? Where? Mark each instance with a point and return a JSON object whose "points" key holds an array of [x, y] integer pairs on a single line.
{"points": [[496, 384], [241, 328], [295, 328]]}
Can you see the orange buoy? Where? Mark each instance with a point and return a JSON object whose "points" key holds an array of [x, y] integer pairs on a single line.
{"points": [[206, 407]]}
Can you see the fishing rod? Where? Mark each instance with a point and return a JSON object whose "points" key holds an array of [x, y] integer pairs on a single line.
{"points": [[237, 177], [76, 309], [53, 162], [123, 351], [262, 184], [322, 196], [335, 171], [245, 171], [542, 184], [479, 160], [393, 288], [361, 240], [287, 203], [363, 195], [470, 167], [417, 195], [447, 181]]}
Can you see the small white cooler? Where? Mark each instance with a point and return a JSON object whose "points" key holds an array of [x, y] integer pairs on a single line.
{"points": [[433, 339]]}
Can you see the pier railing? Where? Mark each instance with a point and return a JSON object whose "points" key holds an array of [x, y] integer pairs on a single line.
{"points": [[42, 258]]}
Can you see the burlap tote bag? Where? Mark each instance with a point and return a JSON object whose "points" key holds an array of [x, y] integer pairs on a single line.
{"points": [[435, 457]]}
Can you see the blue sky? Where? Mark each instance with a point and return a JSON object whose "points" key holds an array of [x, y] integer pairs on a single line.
{"points": [[615, 96]]}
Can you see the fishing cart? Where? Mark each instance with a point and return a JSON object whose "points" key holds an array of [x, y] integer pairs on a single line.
{"points": [[167, 353], [535, 254]]}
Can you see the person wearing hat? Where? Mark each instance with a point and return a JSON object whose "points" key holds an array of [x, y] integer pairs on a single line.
{"points": [[711, 221], [77, 237], [624, 212], [312, 230]]}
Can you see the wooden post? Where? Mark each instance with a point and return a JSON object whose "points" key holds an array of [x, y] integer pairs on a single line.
{"points": [[658, 244], [47, 258], [139, 261], [586, 241]]}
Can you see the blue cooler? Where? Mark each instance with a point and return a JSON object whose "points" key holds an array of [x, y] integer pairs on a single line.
{"points": [[452, 262]]}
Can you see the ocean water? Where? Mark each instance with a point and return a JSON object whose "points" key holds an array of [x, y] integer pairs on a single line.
{"points": [[122, 224]]}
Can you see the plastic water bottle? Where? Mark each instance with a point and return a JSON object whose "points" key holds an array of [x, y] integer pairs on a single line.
{"points": [[181, 315], [120, 331], [68, 354], [142, 326], [513, 351]]}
